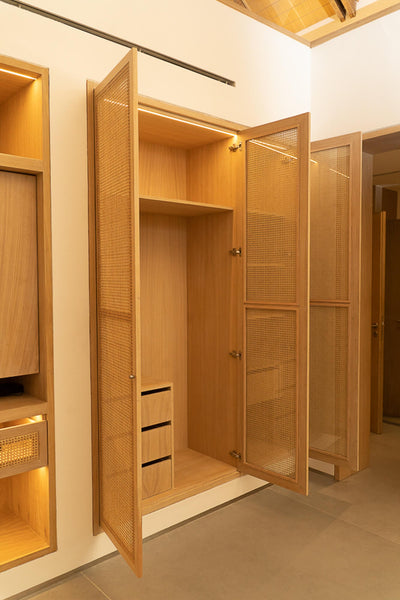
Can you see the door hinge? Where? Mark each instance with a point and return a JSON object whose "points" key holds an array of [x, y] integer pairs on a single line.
{"points": [[235, 354], [235, 454], [236, 252], [235, 147]]}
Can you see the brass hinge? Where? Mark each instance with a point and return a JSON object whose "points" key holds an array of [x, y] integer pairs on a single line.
{"points": [[236, 251], [235, 354], [235, 147], [235, 454]]}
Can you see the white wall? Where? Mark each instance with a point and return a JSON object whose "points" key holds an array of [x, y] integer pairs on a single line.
{"points": [[273, 80], [355, 80]]}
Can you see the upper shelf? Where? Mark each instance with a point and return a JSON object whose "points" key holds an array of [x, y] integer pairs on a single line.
{"points": [[179, 208], [21, 108], [169, 130], [18, 407]]}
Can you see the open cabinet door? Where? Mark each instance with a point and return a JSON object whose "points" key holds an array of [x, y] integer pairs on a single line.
{"points": [[276, 302], [335, 280], [117, 309]]}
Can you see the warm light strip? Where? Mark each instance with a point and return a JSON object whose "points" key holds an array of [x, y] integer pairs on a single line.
{"points": [[17, 74], [264, 145], [339, 173], [157, 114]]}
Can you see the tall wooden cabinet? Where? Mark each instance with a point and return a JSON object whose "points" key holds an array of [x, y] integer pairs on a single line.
{"points": [[200, 278], [27, 482]]}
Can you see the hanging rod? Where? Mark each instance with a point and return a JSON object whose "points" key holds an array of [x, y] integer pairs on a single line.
{"points": [[120, 41]]}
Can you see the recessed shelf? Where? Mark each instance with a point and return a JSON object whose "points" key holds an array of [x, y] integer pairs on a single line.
{"points": [[17, 538], [18, 407], [148, 383], [182, 208], [194, 473]]}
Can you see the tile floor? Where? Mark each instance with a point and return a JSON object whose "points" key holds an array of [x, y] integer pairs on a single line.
{"points": [[340, 543]]}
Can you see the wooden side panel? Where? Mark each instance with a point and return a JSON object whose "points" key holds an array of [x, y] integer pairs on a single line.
{"points": [[212, 393], [335, 299], [276, 307], [164, 309], [364, 425], [162, 171], [19, 350], [21, 122], [118, 310]]}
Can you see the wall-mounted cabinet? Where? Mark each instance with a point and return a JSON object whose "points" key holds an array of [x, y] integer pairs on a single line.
{"points": [[27, 482], [199, 267]]}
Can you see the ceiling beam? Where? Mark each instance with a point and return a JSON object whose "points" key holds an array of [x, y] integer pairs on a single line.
{"points": [[339, 9]]}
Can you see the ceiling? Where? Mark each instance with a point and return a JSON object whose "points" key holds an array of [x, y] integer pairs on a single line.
{"points": [[314, 21]]}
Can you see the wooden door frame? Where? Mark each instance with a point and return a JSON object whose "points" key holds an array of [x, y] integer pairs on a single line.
{"points": [[375, 142]]}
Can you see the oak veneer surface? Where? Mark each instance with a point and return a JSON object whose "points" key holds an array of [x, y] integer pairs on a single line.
{"points": [[21, 122], [17, 538], [193, 473], [19, 350], [164, 309], [162, 171]]}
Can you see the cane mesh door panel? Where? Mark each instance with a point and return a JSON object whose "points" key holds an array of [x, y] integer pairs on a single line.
{"points": [[276, 303], [334, 284], [118, 439]]}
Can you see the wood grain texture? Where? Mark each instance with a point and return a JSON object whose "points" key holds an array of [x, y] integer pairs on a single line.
{"points": [[21, 118], [170, 130], [194, 473], [157, 478], [212, 395], [19, 350], [164, 309], [178, 208], [157, 408], [162, 171], [18, 541], [156, 443], [18, 407], [378, 318]]}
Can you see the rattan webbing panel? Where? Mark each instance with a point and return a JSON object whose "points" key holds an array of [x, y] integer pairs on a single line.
{"points": [[329, 379], [272, 213], [329, 230], [271, 371], [115, 309]]}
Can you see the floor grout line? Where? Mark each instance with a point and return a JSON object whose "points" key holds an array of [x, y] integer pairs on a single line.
{"points": [[96, 586]]}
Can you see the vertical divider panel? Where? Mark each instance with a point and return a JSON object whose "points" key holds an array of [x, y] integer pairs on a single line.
{"points": [[276, 305], [117, 308]]}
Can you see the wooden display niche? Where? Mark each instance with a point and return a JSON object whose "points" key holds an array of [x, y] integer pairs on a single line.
{"points": [[27, 491]]}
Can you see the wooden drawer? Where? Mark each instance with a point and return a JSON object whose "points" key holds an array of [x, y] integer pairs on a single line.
{"points": [[156, 478], [22, 448], [156, 408], [156, 443]]}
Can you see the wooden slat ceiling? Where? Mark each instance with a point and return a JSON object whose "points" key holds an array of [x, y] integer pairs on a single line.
{"points": [[314, 21]]}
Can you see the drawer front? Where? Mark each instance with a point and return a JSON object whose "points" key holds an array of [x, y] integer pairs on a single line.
{"points": [[156, 443], [156, 408], [156, 478], [23, 448]]}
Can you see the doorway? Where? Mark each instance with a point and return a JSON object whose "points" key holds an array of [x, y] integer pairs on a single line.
{"points": [[384, 145]]}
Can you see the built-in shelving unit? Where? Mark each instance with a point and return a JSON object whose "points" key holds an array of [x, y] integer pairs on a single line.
{"points": [[27, 480]]}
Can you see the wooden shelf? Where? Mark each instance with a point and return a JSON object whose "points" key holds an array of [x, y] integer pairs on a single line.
{"points": [[18, 407], [20, 164], [148, 383], [194, 473], [182, 208], [160, 127], [17, 539]]}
